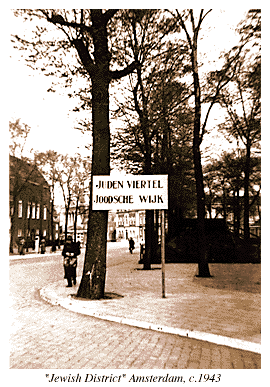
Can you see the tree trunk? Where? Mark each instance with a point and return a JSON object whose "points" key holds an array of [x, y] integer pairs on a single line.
{"points": [[41, 215], [234, 213], [149, 214], [224, 203], [66, 223], [52, 222], [92, 285], [148, 239], [66, 215], [76, 218], [12, 231], [246, 193], [29, 227], [203, 268], [13, 218]]}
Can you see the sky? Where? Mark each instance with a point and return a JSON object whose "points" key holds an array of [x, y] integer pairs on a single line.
{"points": [[50, 115]]}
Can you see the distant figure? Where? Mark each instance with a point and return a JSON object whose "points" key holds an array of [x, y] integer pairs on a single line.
{"points": [[131, 245], [70, 252], [21, 246], [36, 244], [43, 246], [53, 246], [58, 243]]}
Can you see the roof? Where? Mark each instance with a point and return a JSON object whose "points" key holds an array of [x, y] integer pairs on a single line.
{"points": [[25, 171]]}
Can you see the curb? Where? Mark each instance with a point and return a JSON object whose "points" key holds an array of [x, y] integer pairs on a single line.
{"points": [[68, 303], [18, 257]]}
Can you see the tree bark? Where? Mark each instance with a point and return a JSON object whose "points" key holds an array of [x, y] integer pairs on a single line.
{"points": [[92, 285], [52, 222], [149, 214], [246, 193], [203, 268], [93, 281], [76, 218], [66, 223], [12, 229]]}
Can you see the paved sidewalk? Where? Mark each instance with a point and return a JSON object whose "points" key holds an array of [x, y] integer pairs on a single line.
{"points": [[224, 309], [33, 254]]}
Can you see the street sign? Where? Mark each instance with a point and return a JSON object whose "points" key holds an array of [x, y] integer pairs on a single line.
{"points": [[140, 192], [134, 192]]}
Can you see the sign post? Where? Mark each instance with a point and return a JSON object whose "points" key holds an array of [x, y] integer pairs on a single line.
{"points": [[163, 252], [133, 192]]}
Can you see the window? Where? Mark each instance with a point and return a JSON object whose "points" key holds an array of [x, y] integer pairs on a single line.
{"points": [[28, 210], [44, 233], [19, 232], [38, 211], [19, 209], [121, 221], [56, 226], [33, 211], [126, 220], [45, 213]]}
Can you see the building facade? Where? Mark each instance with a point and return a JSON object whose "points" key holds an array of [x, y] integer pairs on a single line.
{"points": [[82, 223], [29, 199], [130, 223]]}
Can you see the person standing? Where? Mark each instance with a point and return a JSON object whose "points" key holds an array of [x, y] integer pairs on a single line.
{"points": [[70, 252], [131, 245], [43, 246], [53, 246], [37, 244], [21, 246]]}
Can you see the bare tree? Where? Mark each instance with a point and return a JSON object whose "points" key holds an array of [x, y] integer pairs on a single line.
{"points": [[88, 35], [242, 100], [80, 187], [48, 164], [210, 96]]}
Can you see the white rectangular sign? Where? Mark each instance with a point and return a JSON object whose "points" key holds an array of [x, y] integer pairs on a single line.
{"points": [[140, 192]]}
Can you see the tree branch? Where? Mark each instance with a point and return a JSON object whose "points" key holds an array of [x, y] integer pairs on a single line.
{"points": [[109, 14], [84, 55], [182, 24], [58, 19], [202, 17], [117, 74]]}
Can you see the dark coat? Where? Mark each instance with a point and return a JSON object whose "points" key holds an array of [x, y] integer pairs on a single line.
{"points": [[131, 244], [70, 253], [43, 246]]}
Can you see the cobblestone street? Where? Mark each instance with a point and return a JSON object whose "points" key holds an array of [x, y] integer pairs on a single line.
{"points": [[50, 337]]}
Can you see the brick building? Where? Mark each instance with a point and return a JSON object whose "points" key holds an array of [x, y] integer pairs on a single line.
{"points": [[29, 197]]}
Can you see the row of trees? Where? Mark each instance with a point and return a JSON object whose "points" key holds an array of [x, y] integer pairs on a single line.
{"points": [[224, 181], [70, 174], [161, 104], [161, 110]]}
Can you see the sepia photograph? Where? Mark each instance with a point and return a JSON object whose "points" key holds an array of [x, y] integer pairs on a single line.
{"points": [[135, 195]]}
